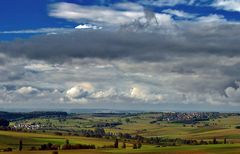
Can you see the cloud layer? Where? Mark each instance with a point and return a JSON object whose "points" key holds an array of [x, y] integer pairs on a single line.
{"points": [[138, 58]]}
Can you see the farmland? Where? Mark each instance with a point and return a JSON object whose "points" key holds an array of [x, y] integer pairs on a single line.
{"points": [[101, 130]]}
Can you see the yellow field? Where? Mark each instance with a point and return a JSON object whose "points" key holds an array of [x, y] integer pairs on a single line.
{"points": [[11, 139]]}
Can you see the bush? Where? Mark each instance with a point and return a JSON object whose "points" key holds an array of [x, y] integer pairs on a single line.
{"points": [[7, 150], [49, 146], [58, 133], [107, 146], [237, 127], [33, 149], [55, 152], [203, 142], [77, 146]]}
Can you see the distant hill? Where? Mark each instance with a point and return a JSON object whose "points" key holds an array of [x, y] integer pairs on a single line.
{"points": [[12, 116]]}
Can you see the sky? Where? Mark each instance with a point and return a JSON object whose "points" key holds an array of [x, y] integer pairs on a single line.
{"points": [[117, 54]]}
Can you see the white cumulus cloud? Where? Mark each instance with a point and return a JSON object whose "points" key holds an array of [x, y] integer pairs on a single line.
{"points": [[87, 26], [27, 90], [233, 93], [104, 93], [144, 95], [79, 91], [229, 5]]}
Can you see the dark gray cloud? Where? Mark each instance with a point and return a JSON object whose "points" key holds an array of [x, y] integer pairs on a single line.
{"points": [[221, 39], [89, 44]]}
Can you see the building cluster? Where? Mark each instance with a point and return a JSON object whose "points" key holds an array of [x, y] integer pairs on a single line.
{"points": [[187, 116], [31, 126]]}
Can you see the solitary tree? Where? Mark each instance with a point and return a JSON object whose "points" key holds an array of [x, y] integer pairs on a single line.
{"points": [[67, 142], [139, 145], [116, 143], [20, 145], [214, 140], [124, 145], [225, 140], [127, 120], [134, 146]]}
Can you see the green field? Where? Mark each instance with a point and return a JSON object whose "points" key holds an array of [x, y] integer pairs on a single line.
{"points": [[138, 125], [220, 128], [8, 138]]}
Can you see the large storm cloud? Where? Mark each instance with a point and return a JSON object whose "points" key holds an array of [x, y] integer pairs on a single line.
{"points": [[220, 39]]}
